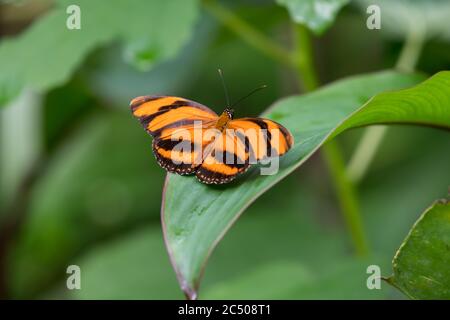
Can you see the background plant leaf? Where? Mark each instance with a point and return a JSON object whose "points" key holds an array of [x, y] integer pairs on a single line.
{"points": [[294, 280], [194, 225], [401, 17], [317, 15], [421, 265], [47, 53]]}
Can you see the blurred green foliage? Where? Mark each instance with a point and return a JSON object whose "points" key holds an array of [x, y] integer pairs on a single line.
{"points": [[95, 200], [420, 267], [146, 29], [318, 15]]}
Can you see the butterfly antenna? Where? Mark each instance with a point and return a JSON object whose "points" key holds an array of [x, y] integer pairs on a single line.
{"points": [[249, 94], [227, 97]]}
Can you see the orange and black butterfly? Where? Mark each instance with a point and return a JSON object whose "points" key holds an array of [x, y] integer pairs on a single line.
{"points": [[190, 138]]}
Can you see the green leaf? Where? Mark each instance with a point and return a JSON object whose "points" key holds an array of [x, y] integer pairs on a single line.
{"points": [[47, 53], [196, 216], [318, 15], [421, 265]]}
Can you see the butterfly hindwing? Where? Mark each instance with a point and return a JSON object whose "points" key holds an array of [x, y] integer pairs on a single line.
{"points": [[181, 151], [228, 157]]}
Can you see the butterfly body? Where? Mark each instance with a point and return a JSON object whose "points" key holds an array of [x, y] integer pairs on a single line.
{"points": [[224, 118], [190, 138]]}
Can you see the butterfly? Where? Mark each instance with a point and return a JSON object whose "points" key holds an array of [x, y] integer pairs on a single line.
{"points": [[190, 138]]}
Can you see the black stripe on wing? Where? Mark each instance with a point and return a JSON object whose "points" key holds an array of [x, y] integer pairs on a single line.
{"points": [[266, 134], [167, 163]]}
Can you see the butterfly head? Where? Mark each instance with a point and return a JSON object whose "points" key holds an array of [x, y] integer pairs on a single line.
{"points": [[226, 116], [229, 113]]}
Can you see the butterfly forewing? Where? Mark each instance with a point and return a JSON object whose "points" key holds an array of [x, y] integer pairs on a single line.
{"points": [[176, 125], [158, 113], [227, 158]]}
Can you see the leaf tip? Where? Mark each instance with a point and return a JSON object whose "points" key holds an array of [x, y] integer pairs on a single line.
{"points": [[190, 294]]}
